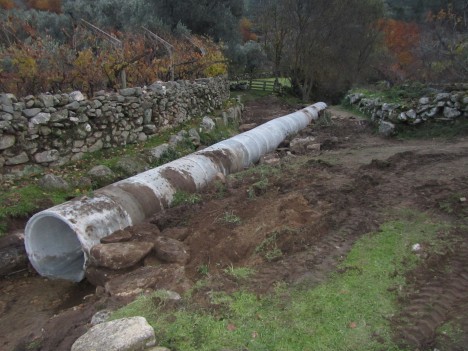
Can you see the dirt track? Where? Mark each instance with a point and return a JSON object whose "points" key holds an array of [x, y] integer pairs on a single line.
{"points": [[317, 205], [300, 218]]}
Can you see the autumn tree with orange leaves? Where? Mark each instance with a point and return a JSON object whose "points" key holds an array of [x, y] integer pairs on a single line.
{"points": [[402, 40], [7, 4], [29, 67], [246, 30], [46, 5], [433, 50]]}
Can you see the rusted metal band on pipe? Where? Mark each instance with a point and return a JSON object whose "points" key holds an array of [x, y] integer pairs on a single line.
{"points": [[58, 240]]}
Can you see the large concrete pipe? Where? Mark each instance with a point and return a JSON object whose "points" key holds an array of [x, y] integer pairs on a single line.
{"points": [[58, 240]]}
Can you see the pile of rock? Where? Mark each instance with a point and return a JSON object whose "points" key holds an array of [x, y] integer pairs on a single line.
{"points": [[445, 106], [139, 259], [50, 130]]}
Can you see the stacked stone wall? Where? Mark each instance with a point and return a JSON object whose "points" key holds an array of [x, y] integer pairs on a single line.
{"points": [[51, 130], [441, 106]]}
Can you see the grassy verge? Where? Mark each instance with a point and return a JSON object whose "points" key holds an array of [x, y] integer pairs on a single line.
{"points": [[285, 82], [28, 199], [434, 129], [354, 110], [400, 94], [253, 95], [350, 311], [250, 95]]}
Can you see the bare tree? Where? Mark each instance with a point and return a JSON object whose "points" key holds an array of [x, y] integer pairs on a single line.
{"points": [[329, 44]]}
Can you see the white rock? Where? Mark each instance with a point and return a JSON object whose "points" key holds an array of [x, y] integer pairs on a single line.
{"points": [[31, 112], [47, 156], [411, 114], [207, 124], [386, 128], [314, 147], [100, 317], [170, 295], [53, 182], [354, 98], [450, 112], [416, 248], [7, 141], [175, 139], [101, 172], [424, 100], [76, 96], [301, 145], [432, 112], [47, 100], [18, 159], [40, 118], [442, 96], [126, 334], [158, 151]]}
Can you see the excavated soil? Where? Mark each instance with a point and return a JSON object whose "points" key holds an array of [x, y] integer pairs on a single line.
{"points": [[293, 223]]}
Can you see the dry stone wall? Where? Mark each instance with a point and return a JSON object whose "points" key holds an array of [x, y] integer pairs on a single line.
{"points": [[442, 106], [51, 130]]}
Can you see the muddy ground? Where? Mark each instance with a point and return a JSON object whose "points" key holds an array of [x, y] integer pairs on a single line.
{"points": [[294, 222]]}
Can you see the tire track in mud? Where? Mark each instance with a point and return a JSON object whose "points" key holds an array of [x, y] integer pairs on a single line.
{"points": [[346, 216], [356, 210], [309, 267], [439, 295]]}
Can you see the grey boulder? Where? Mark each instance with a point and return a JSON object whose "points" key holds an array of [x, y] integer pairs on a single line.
{"points": [[171, 250], [207, 124], [126, 334], [386, 129], [53, 182], [119, 255]]}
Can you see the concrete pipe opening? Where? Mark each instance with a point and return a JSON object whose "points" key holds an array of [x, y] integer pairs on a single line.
{"points": [[54, 249]]}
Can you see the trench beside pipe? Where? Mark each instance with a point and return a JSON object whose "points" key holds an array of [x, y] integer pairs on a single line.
{"points": [[58, 240]]}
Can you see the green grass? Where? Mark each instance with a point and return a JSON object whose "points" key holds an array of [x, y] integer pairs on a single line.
{"points": [[400, 94], [347, 312], [452, 331], [230, 218], [250, 95], [240, 273], [25, 200], [254, 95], [218, 134], [263, 171], [285, 82], [203, 270], [268, 248], [434, 129], [355, 111], [325, 120], [184, 198]]}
